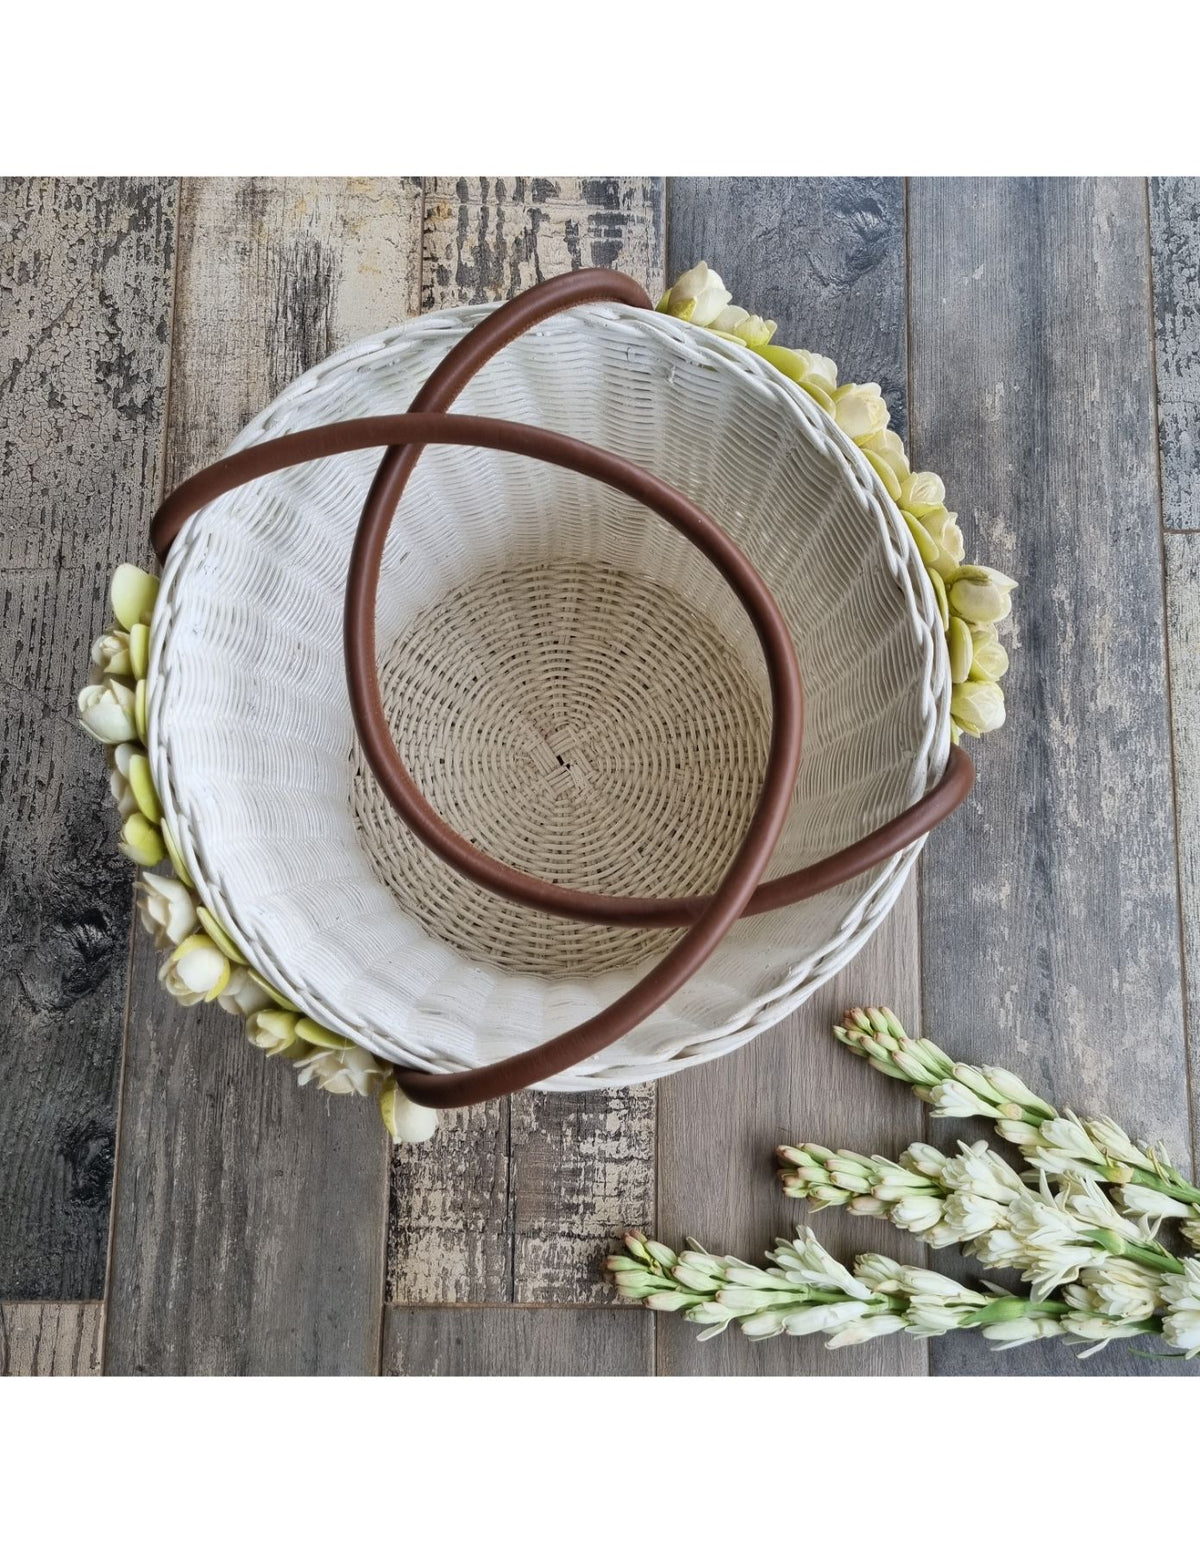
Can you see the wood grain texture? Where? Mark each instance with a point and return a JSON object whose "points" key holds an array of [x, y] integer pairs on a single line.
{"points": [[1183, 622], [500, 1340], [1050, 927], [519, 1199], [825, 258], [85, 305], [1175, 261], [50, 1337], [250, 1215]]}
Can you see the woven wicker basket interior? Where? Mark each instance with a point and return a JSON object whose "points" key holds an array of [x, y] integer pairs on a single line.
{"points": [[571, 683]]}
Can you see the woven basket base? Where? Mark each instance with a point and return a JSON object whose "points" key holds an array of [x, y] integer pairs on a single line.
{"points": [[580, 723]]}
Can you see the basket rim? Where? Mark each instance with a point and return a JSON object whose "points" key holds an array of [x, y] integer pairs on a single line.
{"points": [[882, 885]]}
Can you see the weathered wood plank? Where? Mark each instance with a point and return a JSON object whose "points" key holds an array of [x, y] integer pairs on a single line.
{"points": [[825, 258], [250, 1215], [48, 1337], [514, 1340], [518, 1200], [1050, 929], [85, 305], [1175, 259], [1183, 622]]}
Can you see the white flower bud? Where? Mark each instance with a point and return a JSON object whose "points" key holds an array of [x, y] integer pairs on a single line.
{"points": [[1182, 1330], [918, 1215], [197, 972], [273, 1030], [106, 711], [698, 296], [922, 493], [885, 445], [118, 782], [980, 594], [968, 1215], [1025, 1329], [749, 328], [405, 1120], [820, 1318], [990, 661], [347, 1071], [242, 994], [860, 410], [110, 653], [863, 1331], [166, 909], [977, 706]]}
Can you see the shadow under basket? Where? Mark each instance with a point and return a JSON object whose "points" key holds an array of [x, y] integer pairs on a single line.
{"points": [[570, 682]]}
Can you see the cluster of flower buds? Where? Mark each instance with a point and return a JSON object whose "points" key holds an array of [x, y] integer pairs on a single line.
{"points": [[972, 600], [1088, 1249], [203, 963], [805, 1291]]}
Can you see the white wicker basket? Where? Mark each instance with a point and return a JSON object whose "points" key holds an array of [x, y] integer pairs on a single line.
{"points": [[569, 681]]}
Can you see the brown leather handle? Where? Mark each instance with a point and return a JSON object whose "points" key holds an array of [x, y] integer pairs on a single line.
{"points": [[726, 904], [440, 390]]}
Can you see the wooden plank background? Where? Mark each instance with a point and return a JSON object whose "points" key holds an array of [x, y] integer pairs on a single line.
{"points": [[1045, 365]]}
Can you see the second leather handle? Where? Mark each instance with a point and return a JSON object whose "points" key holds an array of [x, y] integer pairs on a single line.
{"points": [[439, 392]]}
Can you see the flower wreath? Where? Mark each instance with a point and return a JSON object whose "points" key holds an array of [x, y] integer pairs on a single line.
{"points": [[202, 962]]}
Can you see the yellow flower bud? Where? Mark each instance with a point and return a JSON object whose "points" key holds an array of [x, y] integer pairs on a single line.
{"points": [[746, 328], [141, 785], [887, 445], [176, 857], [977, 707], [980, 594], [926, 544], [110, 653], [886, 473], [219, 936], [274, 1032], [958, 644], [274, 993], [939, 593], [139, 649], [133, 594], [317, 1035], [989, 661], [141, 842]]}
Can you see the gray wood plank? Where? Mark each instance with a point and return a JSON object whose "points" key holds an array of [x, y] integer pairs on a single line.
{"points": [[1183, 622], [85, 304], [518, 1200], [49, 1337], [250, 1215], [825, 258], [1175, 259], [1050, 928], [515, 1340]]}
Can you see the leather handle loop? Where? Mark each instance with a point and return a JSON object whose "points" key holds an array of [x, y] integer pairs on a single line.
{"points": [[438, 393], [706, 918], [728, 901]]}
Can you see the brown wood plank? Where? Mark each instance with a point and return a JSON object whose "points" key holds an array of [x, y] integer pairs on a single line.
{"points": [[1175, 257], [250, 1214], [85, 304], [1183, 622], [515, 1340], [518, 1200], [824, 257], [1050, 927], [49, 1337]]}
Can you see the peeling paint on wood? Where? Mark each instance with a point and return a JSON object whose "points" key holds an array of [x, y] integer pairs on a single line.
{"points": [[250, 1215], [519, 1199], [85, 307], [1050, 928], [1175, 262], [825, 259], [499, 1340], [50, 1338]]}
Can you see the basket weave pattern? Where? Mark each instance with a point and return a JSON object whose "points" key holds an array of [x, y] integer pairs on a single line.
{"points": [[570, 682]]}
